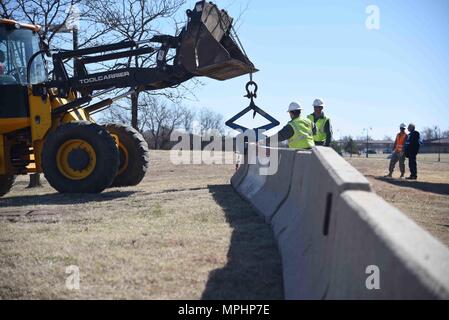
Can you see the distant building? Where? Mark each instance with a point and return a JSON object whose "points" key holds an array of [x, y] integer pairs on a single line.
{"points": [[435, 146], [379, 146], [374, 146]]}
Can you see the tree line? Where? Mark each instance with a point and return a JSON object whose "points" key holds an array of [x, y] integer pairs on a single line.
{"points": [[433, 133], [160, 118]]}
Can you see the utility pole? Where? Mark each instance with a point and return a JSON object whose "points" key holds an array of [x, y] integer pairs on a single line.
{"points": [[438, 133], [367, 144], [367, 139], [75, 37], [71, 29]]}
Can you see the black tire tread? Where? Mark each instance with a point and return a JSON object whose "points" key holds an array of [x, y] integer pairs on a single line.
{"points": [[107, 157], [6, 183], [139, 155]]}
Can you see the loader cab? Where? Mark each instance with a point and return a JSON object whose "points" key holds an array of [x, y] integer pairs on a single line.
{"points": [[18, 42]]}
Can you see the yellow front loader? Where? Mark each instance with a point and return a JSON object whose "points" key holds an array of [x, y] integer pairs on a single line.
{"points": [[46, 124]]}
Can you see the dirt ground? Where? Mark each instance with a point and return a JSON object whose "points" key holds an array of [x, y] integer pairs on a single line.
{"points": [[182, 234], [426, 201]]}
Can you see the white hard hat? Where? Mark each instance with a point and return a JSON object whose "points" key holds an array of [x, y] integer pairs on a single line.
{"points": [[294, 107], [403, 126], [318, 103]]}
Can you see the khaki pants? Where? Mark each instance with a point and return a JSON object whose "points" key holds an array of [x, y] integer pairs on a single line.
{"points": [[395, 157]]}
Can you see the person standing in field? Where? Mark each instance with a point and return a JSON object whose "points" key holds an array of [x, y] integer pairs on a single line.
{"points": [[398, 152], [412, 145], [299, 131], [323, 134]]}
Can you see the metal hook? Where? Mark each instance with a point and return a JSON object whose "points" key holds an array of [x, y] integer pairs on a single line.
{"points": [[251, 94]]}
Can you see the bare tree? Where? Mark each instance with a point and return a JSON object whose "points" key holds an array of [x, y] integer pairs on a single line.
{"points": [[437, 132], [349, 145], [35, 181], [158, 119], [445, 134], [161, 119], [210, 120], [428, 133], [133, 20], [117, 113], [188, 118], [8, 8], [51, 15]]}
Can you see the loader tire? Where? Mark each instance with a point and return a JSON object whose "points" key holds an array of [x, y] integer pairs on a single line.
{"points": [[6, 182], [133, 154], [80, 157]]}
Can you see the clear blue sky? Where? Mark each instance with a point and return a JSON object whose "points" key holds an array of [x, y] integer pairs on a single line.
{"points": [[318, 48]]}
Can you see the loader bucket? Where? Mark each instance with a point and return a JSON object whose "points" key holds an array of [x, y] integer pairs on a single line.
{"points": [[207, 48]]}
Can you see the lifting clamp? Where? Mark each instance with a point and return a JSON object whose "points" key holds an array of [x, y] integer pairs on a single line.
{"points": [[252, 107]]}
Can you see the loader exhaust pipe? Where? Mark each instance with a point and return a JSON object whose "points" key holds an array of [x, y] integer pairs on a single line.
{"points": [[207, 46]]}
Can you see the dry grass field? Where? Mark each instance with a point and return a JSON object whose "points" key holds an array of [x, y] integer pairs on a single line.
{"points": [[182, 234], [426, 201]]}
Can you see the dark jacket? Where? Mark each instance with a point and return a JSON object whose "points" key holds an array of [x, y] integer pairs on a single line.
{"points": [[412, 143]]}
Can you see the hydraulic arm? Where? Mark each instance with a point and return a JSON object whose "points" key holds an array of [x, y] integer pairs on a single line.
{"points": [[205, 47]]}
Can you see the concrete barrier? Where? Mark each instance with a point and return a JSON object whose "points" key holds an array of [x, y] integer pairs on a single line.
{"points": [[283, 217], [369, 232], [306, 272], [276, 188], [240, 174], [252, 182], [330, 228]]}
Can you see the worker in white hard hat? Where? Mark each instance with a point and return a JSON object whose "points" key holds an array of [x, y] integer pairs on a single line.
{"points": [[299, 131], [323, 136], [398, 154]]}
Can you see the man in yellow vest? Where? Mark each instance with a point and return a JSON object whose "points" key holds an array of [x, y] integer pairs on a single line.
{"points": [[299, 131], [323, 136]]}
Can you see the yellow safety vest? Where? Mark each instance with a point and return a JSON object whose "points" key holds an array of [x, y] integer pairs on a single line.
{"points": [[303, 135], [320, 135]]}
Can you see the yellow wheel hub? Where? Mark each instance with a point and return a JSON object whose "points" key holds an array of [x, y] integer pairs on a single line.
{"points": [[123, 154], [76, 159], [124, 158]]}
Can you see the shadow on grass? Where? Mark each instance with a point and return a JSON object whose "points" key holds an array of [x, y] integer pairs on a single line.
{"points": [[62, 199], [438, 188], [254, 267]]}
